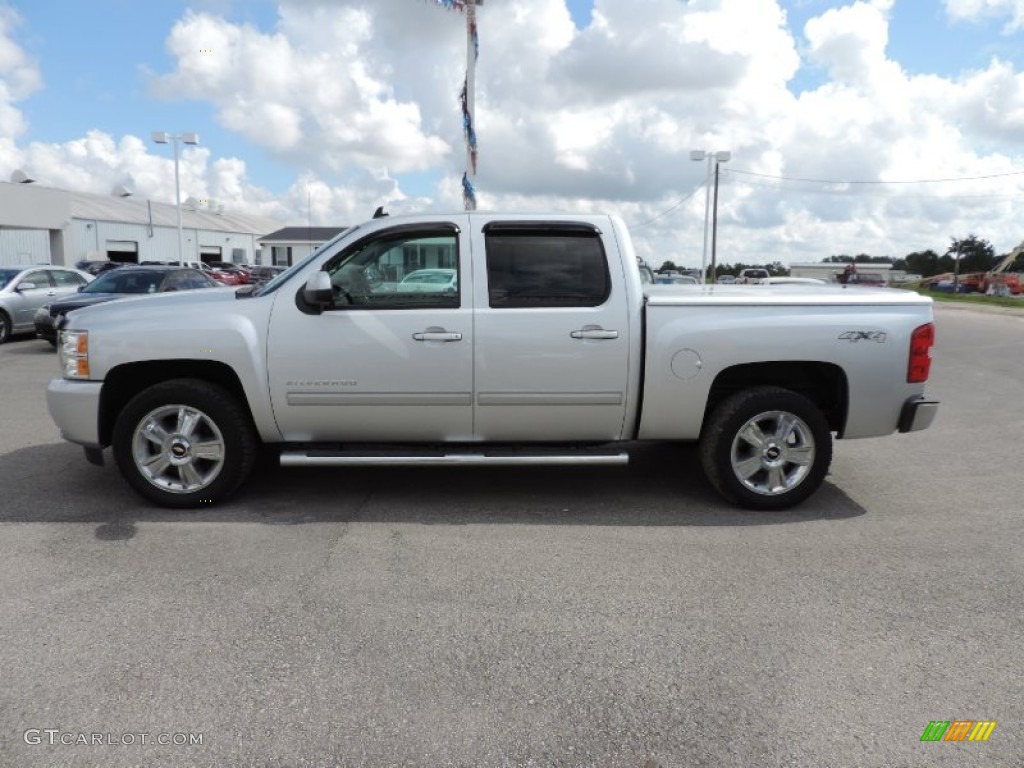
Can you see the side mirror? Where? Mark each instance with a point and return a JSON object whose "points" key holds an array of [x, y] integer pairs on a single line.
{"points": [[81, 288], [26, 286], [318, 291]]}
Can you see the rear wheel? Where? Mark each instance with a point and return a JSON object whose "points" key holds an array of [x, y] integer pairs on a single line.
{"points": [[184, 443], [5, 327], [766, 448]]}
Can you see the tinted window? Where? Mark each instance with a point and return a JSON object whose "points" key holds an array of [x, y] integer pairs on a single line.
{"points": [[546, 269], [126, 280], [187, 280]]}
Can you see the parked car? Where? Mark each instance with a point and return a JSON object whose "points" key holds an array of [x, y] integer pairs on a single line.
{"points": [[263, 274], [222, 276], [25, 289], [242, 270], [726, 279], [430, 281], [676, 280], [793, 281], [117, 284], [748, 276], [95, 267]]}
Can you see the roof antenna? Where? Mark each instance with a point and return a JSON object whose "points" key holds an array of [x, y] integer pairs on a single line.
{"points": [[379, 213]]}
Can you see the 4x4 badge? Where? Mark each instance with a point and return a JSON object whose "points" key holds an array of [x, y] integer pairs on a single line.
{"points": [[855, 336]]}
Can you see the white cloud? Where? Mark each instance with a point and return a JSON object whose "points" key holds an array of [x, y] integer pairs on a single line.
{"points": [[974, 10], [308, 92], [604, 117], [19, 77]]}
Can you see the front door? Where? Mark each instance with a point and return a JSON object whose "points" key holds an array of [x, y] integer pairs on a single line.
{"points": [[391, 358]]}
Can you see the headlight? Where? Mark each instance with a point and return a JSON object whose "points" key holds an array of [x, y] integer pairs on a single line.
{"points": [[74, 354]]}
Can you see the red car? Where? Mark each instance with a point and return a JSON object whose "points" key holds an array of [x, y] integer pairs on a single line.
{"points": [[239, 270]]}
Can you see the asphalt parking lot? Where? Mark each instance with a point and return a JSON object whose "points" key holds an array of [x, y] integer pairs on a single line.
{"points": [[524, 617]]}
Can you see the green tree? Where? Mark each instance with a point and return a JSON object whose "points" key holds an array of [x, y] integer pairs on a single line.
{"points": [[974, 254], [667, 266], [924, 263]]}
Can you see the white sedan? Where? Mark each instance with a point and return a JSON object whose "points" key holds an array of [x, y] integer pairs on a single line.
{"points": [[430, 281]]}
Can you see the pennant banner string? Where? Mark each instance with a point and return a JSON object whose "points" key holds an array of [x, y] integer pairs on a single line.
{"points": [[466, 95]]}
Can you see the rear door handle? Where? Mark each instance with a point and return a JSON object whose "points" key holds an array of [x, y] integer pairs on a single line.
{"points": [[593, 332], [437, 334]]}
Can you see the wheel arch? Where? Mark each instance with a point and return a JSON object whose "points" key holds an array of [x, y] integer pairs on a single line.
{"points": [[824, 384], [125, 381]]}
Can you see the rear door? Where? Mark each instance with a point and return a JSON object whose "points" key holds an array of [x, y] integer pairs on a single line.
{"points": [[552, 333]]}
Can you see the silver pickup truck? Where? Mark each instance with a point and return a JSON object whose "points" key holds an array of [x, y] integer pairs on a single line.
{"points": [[488, 339]]}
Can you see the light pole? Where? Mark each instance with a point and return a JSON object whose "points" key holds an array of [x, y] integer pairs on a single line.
{"points": [[162, 137], [713, 158]]}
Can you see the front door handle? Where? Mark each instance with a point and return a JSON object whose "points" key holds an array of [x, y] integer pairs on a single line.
{"points": [[593, 332], [437, 334]]}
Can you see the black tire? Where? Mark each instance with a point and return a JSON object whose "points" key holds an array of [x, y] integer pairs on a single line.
{"points": [[775, 473], [5, 327], [185, 443]]}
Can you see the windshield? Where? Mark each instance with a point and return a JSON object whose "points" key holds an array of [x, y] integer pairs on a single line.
{"points": [[126, 280], [274, 283], [6, 275]]}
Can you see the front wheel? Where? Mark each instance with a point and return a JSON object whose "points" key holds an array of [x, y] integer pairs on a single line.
{"points": [[766, 448], [184, 443]]}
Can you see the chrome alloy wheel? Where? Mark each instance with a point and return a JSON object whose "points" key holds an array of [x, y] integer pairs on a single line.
{"points": [[178, 449], [773, 453]]}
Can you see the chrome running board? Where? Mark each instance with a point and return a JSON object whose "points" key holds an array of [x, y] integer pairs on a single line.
{"points": [[325, 458]]}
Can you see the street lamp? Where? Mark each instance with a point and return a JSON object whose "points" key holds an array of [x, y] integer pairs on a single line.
{"points": [[161, 137], [713, 158]]}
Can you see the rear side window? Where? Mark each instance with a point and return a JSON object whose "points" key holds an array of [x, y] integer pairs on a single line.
{"points": [[546, 266], [62, 277]]}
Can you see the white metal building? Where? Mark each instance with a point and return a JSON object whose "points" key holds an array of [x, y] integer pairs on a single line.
{"points": [[288, 245], [43, 225]]}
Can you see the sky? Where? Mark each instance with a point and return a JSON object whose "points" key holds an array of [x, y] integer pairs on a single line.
{"points": [[874, 126]]}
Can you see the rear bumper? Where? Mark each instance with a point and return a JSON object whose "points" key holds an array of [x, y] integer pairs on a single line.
{"points": [[75, 408], [917, 414]]}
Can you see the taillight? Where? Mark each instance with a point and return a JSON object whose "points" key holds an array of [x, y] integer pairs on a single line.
{"points": [[920, 362]]}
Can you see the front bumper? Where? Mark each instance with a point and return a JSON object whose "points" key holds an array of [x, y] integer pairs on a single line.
{"points": [[917, 414], [75, 408], [45, 324]]}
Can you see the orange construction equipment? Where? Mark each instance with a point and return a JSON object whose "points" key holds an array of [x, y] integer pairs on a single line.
{"points": [[997, 281]]}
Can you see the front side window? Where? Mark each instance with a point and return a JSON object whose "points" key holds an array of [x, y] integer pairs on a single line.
{"points": [[400, 270], [546, 267]]}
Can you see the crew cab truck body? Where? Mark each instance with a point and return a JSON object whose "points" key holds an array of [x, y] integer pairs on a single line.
{"points": [[546, 349]]}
